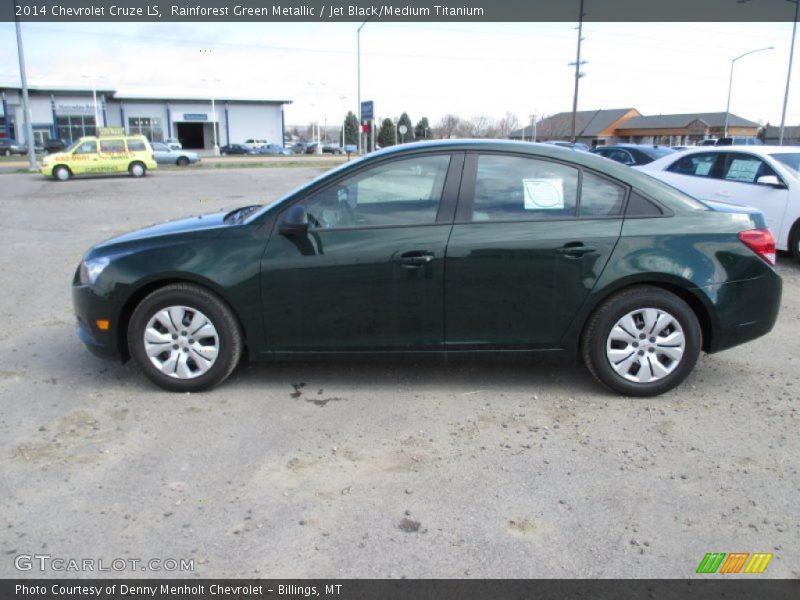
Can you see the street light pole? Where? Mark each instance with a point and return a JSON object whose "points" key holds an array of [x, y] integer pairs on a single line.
{"points": [[26, 107], [730, 83], [789, 72]]}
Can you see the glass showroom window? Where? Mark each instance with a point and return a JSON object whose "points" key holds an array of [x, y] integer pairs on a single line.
{"points": [[149, 127], [71, 127]]}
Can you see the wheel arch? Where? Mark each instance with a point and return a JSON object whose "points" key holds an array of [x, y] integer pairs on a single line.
{"points": [[793, 239], [151, 285], [683, 289]]}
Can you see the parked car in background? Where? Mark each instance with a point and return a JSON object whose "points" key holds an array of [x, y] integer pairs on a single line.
{"points": [[632, 154], [235, 149], [10, 146], [173, 144], [744, 140], [274, 149], [326, 149], [300, 147], [55, 145], [255, 144], [764, 177], [165, 155], [576, 146], [480, 247], [101, 155]]}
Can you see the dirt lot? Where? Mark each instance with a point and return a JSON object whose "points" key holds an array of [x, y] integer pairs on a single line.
{"points": [[382, 470]]}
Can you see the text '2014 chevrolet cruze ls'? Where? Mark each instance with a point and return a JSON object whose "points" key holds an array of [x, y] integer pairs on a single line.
{"points": [[441, 248]]}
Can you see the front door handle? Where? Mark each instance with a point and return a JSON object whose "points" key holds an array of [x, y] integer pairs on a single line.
{"points": [[416, 258], [575, 249]]}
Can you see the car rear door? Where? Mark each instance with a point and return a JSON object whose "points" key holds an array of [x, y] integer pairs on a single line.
{"points": [[369, 275], [530, 240]]}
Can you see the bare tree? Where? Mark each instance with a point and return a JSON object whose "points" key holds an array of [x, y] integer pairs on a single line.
{"points": [[448, 126], [507, 124]]}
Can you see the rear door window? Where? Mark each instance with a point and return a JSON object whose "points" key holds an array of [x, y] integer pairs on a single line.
{"points": [[513, 188], [600, 197], [744, 168]]}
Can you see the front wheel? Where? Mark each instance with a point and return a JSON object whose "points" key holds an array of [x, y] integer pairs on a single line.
{"points": [[184, 338], [794, 242], [61, 173], [7, 152], [137, 169], [642, 342]]}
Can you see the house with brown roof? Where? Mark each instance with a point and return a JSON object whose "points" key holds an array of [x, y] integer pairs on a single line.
{"points": [[683, 129], [592, 127]]}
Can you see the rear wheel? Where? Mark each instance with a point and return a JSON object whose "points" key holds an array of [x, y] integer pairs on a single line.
{"points": [[182, 161], [137, 169], [61, 173], [642, 342], [7, 152], [184, 338]]}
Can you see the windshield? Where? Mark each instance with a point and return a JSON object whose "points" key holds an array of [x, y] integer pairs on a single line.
{"points": [[790, 160], [300, 187], [658, 151], [72, 146]]}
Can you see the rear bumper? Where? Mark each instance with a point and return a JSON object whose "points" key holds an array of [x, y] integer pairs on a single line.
{"points": [[745, 309]]}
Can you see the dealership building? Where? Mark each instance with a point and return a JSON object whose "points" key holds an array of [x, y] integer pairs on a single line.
{"points": [[63, 113]]}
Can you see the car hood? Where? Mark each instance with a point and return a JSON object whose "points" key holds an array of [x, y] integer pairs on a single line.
{"points": [[199, 224]]}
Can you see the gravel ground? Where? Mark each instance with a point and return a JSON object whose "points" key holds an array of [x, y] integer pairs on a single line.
{"points": [[377, 470]]}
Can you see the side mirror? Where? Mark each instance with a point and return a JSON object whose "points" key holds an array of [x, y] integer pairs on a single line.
{"points": [[770, 180], [295, 221]]}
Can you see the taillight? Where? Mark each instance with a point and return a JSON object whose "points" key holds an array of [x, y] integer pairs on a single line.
{"points": [[761, 242]]}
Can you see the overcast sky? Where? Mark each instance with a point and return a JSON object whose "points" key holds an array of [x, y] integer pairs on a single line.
{"points": [[423, 68]]}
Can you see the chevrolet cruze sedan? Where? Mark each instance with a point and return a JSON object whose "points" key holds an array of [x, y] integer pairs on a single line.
{"points": [[440, 249]]}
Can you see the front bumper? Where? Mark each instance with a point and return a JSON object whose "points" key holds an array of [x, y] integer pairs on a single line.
{"points": [[89, 307]]}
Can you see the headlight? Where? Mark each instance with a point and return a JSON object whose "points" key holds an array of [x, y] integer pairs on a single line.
{"points": [[91, 269]]}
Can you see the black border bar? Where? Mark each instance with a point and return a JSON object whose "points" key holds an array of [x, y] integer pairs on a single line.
{"points": [[275, 11], [733, 588]]}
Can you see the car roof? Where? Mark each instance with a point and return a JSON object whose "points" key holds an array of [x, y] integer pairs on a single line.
{"points": [[752, 149]]}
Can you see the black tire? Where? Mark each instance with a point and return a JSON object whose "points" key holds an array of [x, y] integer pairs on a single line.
{"points": [[182, 161], [607, 315], [199, 299], [7, 152], [137, 169], [61, 173], [223, 153], [794, 242]]}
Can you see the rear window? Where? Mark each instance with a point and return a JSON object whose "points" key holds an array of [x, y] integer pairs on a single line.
{"points": [[136, 146], [656, 152]]}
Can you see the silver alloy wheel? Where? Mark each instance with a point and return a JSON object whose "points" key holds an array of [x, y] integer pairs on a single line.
{"points": [[645, 345], [62, 173], [137, 170], [181, 342]]}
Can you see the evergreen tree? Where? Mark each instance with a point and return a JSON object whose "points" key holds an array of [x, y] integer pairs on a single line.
{"points": [[423, 129], [351, 129], [386, 134], [409, 134]]}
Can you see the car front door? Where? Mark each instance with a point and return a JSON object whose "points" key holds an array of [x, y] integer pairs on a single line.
{"points": [[529, 243], [738, 185], [368, 275], [85, 158]]}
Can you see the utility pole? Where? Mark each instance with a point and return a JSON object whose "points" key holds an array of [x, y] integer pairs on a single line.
{"points": [[358, 52], [26, 107], [789, 73], [578, 62]]}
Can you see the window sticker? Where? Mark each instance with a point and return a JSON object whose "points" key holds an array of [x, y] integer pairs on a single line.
{"points": [[743, 170], [703, 168], [543, 194]]}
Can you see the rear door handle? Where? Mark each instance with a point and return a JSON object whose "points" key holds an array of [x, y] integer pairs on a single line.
{"points": [[575, 249], [416, 258]]}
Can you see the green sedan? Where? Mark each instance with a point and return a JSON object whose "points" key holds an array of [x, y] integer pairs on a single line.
{"points": [[441, 249]]}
